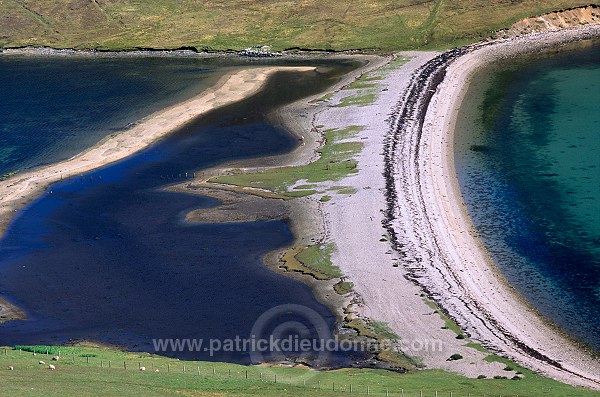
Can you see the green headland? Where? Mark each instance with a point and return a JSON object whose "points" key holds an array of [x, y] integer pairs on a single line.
{"points": [[234, 25]]}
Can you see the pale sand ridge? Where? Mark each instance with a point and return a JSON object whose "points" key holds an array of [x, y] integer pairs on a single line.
{"points": [[19, 189], [479, 296], [354, 223], [436, 243]]}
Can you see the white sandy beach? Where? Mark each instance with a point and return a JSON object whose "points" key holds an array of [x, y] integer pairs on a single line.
{"points": [[468, 282], [442, 250], [354, 223], [431, 223], [19, 189]]}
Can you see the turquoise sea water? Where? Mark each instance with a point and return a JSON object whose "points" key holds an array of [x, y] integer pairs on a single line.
{"points": [[528, 161]]}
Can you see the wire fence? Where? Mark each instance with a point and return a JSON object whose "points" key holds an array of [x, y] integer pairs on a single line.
{"points": [[262, 374]]}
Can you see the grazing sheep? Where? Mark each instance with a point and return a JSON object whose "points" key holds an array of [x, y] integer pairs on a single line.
{"points": [[142, 368], [11, 368], [55, 358], [52, 367], [157, 370], [42, 363]]}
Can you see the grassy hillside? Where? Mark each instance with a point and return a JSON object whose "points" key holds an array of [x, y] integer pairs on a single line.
{"points": [[234, 24], [103, 372]]}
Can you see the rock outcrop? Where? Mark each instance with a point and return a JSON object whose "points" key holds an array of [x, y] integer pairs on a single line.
{"points": [[557, 20]]}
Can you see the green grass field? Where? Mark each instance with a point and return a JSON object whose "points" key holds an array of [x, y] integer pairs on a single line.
{"points": [[383, 25], [313, 260], [90, 371], [334, 163], [318, 258]]}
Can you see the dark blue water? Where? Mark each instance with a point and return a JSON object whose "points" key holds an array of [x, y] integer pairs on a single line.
{"points": [[528, 160], [51, 108], [108, 256]]}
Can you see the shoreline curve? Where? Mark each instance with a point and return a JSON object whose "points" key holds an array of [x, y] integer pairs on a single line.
{"points": [[433, 232], [20, 189]]}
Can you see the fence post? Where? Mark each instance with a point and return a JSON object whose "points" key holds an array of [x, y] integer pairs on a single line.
{"points": [[198, 370], [350, 387], [333, 386], [387, 392], [169, 367], [275, 378], [214, 371], [124, 365], [184, 368], [368, 391], [246, 374]]}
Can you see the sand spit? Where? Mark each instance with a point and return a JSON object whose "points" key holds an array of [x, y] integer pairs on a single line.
{"points": [[355, 224], [19, 189], [303, 214], [9, 312], [432, 232]]}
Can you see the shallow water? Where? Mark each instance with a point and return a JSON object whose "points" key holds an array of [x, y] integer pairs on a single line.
{"points": [[108, 255], [528, 161]]}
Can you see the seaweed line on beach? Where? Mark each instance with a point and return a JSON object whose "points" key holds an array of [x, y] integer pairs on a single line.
{"points": [[410, 119], [428, 265]]}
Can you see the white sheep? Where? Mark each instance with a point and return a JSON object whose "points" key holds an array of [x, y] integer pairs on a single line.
{"points": [[157, 370], [11, 368], [42, 363], [142, 368], [52, 367], [55, 358]]}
